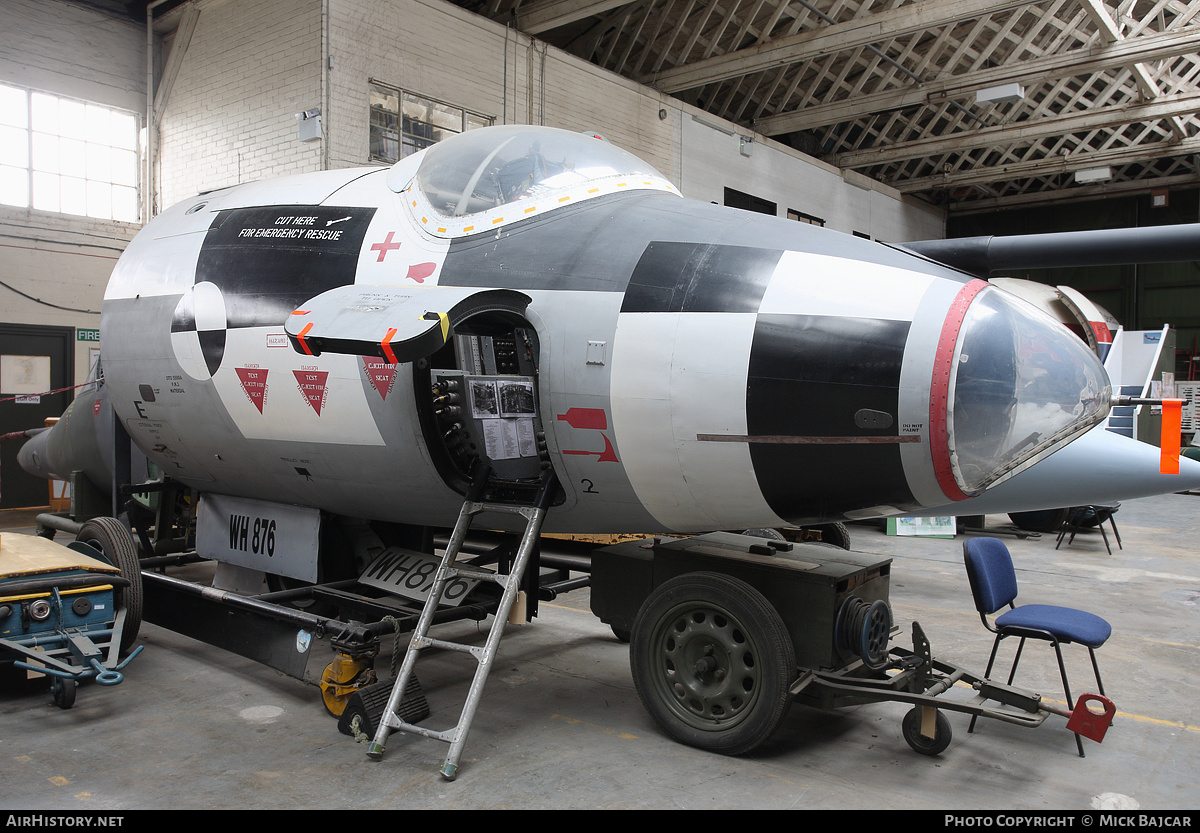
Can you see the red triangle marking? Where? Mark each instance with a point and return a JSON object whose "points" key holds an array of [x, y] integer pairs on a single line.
{"points": [[254, 383], [312, 385], [381, 374]]}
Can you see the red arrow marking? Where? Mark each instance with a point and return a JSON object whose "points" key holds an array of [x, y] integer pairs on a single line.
{"points": [[386, 246], [300, 337], [585, 418], [608, 455], [387, 348]]}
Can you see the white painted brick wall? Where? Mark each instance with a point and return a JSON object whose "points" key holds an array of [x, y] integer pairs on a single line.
{"points": [[440, 51], [250, 67], [63, 260], [73, 51], [230, 118]]}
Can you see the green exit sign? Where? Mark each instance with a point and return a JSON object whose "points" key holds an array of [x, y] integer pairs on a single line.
{"points": [[86, 335]]}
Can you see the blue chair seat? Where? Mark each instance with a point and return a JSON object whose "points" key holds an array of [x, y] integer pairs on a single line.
{"points": [[1065, 623]]}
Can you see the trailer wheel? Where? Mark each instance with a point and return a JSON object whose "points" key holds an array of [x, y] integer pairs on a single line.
{"points": [[911, 728], [63, 692], [765, 532], [112, 540], [836, 533], [712, 662]]}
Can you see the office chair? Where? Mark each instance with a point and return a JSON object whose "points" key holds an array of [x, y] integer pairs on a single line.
{"points": [[994, 585]]}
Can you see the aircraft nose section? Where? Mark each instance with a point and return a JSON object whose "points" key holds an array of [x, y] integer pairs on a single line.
{"points": [[1010, 386], [31, 456]]}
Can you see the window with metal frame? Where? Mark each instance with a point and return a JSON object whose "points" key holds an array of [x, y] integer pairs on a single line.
{"points": [[403, 123], [68, 156], [800, 216]]}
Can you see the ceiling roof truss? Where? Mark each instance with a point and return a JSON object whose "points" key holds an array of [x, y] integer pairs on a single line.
{"points": [[887, 87]]}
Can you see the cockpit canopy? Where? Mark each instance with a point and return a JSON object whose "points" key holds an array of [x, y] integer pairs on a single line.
{"points": [[483, 170], [1022, 385]]}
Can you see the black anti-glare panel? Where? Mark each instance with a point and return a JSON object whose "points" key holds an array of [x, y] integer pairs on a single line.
{"points": [[700, 277], [809, 376], [268, 260], [592, 247]]}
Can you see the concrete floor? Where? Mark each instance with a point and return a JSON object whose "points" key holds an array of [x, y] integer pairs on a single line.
{"points": [[194, 727]]}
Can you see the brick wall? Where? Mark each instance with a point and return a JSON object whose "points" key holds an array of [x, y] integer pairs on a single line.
{"points": [[60, 259], [230, 117], [248, 68]]}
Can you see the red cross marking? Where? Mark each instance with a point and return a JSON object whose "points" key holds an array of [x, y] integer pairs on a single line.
{"points": [[386, 246]]}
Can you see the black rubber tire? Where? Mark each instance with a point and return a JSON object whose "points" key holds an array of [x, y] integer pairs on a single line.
{"points": [[622, 634], [1041, 520], [115, 545], [63, 692], [835, 533], [911, 728], [712, 662], [765, 532]]}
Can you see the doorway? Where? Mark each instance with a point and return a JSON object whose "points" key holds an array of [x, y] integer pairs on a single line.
{"points": [[31, 357]]}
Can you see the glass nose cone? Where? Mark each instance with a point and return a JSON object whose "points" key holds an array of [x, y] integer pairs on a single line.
{"points": [[1021, 385]]}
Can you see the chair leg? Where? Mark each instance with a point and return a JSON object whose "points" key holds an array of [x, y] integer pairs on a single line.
{"points": [[1104, 535], [1013, 671], [1062, 669], [986, 675], [1062, 531], [1096, 669], [1113, 524]]}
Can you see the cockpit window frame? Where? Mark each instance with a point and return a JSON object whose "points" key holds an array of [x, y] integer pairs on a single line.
{"points": [[527, 205]]}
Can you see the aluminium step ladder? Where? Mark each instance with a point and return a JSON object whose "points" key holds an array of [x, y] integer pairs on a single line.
{"points": [[447, 569]]}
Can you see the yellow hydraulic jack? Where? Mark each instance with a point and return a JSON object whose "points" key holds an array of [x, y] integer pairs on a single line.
{"points": [[349, 671]]}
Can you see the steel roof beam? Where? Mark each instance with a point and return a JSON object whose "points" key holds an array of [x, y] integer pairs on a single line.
{"points": [[851, 34], [1163, 107], [1045, 167], [1076, 62], [544, 15]]}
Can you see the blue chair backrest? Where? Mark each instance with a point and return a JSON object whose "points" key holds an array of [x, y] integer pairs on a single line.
{"points": [[990, 571]]}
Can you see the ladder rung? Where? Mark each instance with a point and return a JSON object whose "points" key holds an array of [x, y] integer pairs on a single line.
{"points": [[475, 650], [504, 508], [478, 575], [447, 736]]}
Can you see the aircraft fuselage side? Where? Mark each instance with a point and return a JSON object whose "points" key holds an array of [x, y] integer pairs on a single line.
{"points": [[695, 367]]}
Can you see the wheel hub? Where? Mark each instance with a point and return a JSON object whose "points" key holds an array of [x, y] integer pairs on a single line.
{"points": [[708, 665]]}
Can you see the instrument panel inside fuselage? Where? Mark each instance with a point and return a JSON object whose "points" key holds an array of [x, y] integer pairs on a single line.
{"points": [[483, 389]]}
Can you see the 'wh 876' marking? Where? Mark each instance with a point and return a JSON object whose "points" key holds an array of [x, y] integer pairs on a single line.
{"points": [[259, 539]]}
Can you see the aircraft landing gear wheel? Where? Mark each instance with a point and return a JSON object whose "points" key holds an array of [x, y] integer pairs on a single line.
{"points": [[911, 728], [110, 537], [712, 662]]}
